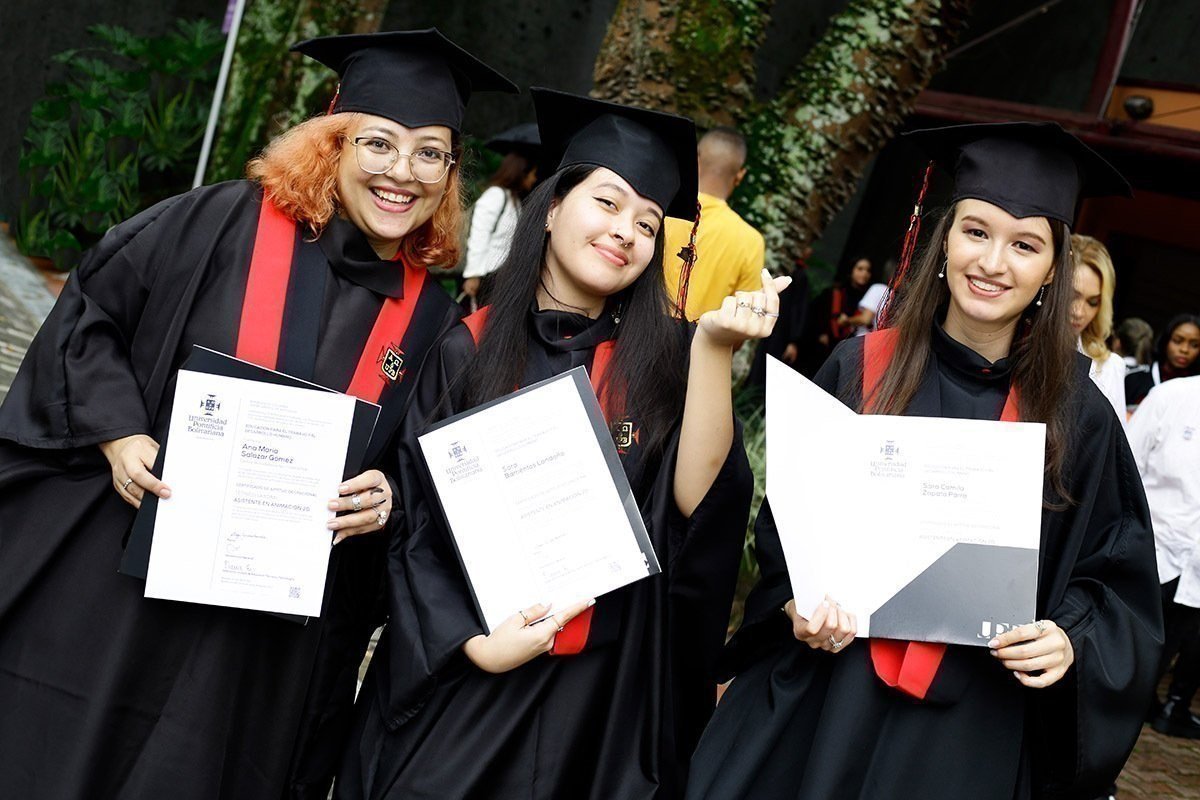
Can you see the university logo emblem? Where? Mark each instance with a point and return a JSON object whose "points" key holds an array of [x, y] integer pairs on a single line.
{"points": [[210, 405], [391, 362], [889, 450], [624, 434], [457, 451]]}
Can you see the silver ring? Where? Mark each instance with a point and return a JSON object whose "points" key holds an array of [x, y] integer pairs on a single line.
{"points": [[835, 643], [560, 630], [759, 310], [381, 516], [125, 485], [743, 304], [356, 501], [1040, 625], [769, 314]]}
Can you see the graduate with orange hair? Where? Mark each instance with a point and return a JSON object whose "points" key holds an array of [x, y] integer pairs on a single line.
{"points": [[318, 266]]}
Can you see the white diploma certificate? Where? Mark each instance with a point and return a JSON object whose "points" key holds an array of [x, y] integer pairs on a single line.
{"points": [[536, 499], [251, 467], [926, 528]]}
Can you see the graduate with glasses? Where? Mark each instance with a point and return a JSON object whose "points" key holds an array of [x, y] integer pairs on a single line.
{"points": [[979, 329], [599, 701], [318, 266]]}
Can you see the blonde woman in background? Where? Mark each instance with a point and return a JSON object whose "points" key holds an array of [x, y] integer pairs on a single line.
{"points": [[1092, 317]]}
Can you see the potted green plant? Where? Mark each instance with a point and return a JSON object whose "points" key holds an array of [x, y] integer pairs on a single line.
{"points": [[119, 132]]}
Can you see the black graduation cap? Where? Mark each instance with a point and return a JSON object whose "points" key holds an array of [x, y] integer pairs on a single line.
{"points": [[1030, 169], [521, 139], [415, 78], [655, 152]]}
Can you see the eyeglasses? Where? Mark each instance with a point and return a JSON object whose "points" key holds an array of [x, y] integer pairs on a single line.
{"points": [[377, 156]]}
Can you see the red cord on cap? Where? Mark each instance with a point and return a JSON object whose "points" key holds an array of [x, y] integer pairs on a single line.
{"points": [[336, 94], [688, 255], [907, 251]]}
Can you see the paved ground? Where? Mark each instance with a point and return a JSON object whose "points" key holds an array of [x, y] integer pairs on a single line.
{"points": [[24, 303], [1161, 768]]}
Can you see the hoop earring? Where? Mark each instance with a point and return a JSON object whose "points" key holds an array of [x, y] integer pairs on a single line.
{"points": [[942, 273], [1041, 294]]}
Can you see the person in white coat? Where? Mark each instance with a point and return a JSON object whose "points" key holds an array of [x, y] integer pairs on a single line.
{"points": [[494, 215], [1164, 435], [1092, 317]]}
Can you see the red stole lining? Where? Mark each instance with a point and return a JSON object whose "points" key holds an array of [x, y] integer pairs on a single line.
{"points": [[574, 635], [261, 324], [907, 666]]}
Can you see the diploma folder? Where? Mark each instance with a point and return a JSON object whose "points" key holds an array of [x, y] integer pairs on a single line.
{"points": [[927, 528], [524, 517], [136, 559]]}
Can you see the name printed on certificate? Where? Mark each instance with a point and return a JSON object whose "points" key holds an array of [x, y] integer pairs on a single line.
{"points": [[536, 499], [926, 528], [251, 467]]}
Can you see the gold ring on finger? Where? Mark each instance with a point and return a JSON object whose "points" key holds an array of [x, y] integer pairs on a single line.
{"points": [[524, 616]]}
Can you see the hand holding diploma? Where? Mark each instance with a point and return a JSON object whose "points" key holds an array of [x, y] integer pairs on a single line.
{"points": [[1040, 647], [830, 627], [521, 638], [369, 497], [131, 458]]}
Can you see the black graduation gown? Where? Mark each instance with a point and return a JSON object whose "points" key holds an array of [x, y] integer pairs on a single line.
{"points": [[803, 724], [107, 694], [617, 721]]}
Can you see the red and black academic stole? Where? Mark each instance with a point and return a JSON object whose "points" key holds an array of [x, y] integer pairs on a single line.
{"points": [[907, 666], [381, 363]]}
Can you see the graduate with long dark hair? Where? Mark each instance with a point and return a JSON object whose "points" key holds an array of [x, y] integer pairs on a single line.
{"points": [[318, 266], [980, 329], [603, 701]]}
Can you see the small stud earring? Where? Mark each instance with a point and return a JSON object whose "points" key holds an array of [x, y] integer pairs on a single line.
{"points": [[942, 273]]}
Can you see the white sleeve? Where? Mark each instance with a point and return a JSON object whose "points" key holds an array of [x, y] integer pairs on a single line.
{"points": [[873, 298], [1144, 428], [1111, 381], [484, 216]]}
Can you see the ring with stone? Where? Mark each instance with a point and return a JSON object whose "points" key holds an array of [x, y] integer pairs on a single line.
{"points": [[125, 485], [743, 304], [759, 310], [1040, 625], [835, 643], [381, 516]]}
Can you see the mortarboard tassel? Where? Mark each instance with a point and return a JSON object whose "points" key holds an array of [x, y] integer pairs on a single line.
{"points": [[336, 94], [906, 252], [688, 254]]}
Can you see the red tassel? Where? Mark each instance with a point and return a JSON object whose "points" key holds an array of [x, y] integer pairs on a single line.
{"points": [[906, 252], [336, 94], [688, 255]]}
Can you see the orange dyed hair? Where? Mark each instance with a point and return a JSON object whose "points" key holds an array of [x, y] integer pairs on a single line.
{"points": [[299, 171]]}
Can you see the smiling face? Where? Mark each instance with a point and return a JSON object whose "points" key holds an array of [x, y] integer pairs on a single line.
{"points": [[1088, 290], [601, 238], [388, 207], [995, 265], [1183, 347]]}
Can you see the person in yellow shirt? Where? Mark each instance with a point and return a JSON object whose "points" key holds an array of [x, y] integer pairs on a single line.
{"points": [[729, 251]]}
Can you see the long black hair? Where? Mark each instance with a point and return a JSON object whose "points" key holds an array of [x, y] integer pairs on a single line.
{"points": [[650, 361]]}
